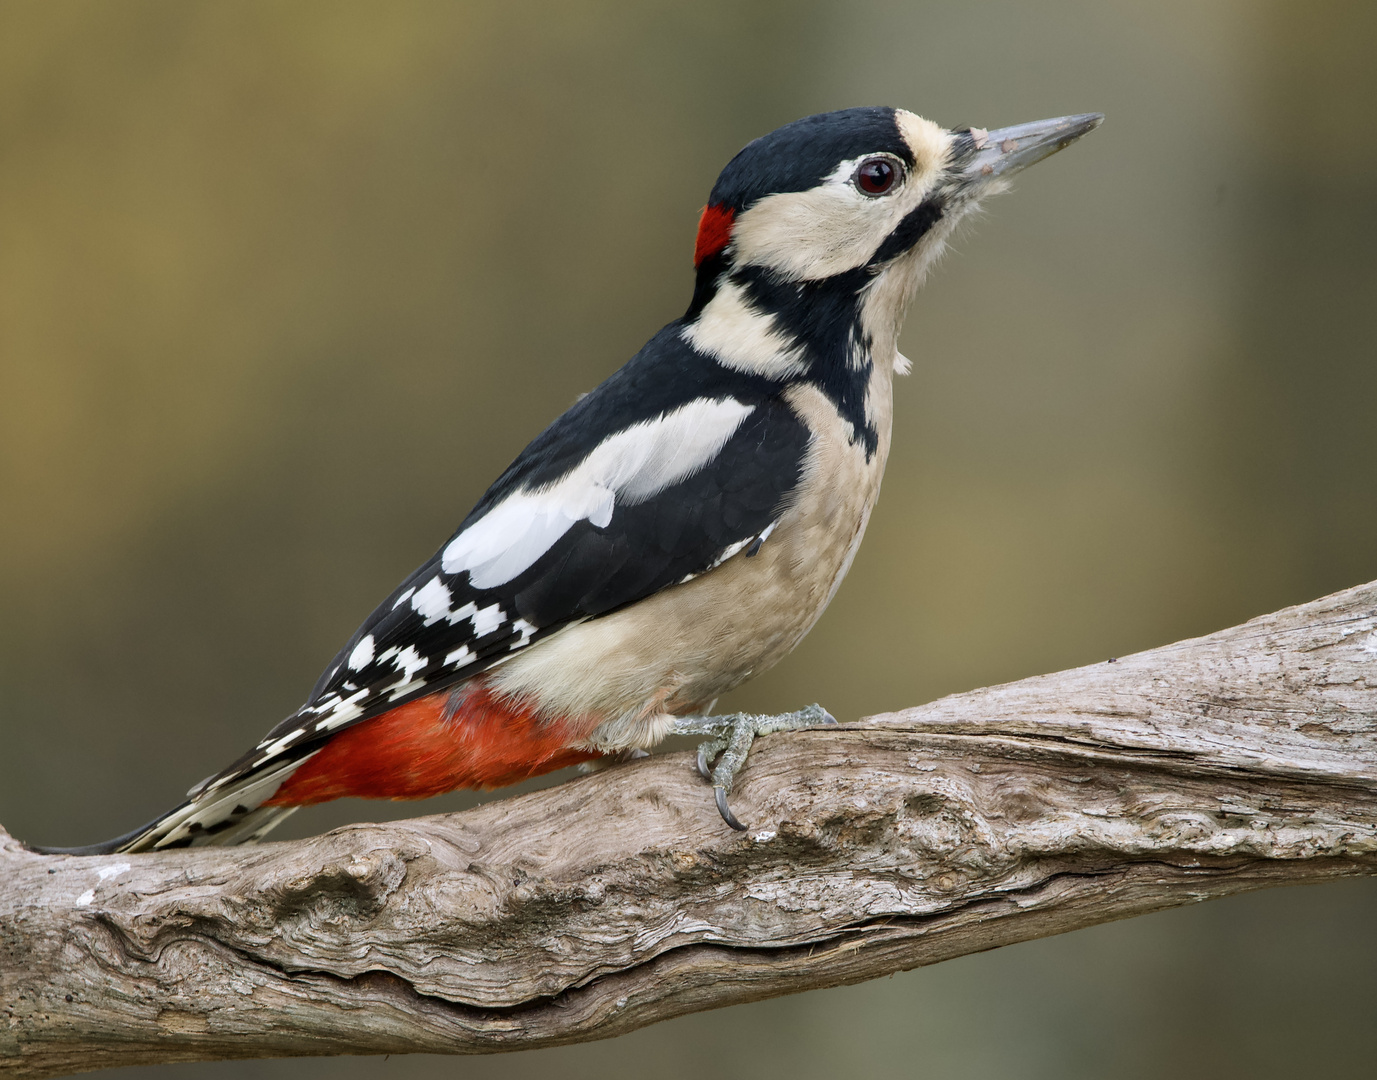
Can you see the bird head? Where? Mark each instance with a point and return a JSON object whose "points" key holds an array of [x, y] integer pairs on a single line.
{"points": [[833, 220]]}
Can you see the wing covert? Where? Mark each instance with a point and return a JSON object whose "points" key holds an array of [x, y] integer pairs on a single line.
{"points": [[647, 508]]}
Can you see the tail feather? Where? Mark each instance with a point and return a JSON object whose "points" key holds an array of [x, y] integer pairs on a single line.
{"points": [[428, 745], [225, 816], [105, 847]]}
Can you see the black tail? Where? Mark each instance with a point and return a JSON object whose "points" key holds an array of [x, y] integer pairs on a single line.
{"points": [[170, 830], [106, 847]]}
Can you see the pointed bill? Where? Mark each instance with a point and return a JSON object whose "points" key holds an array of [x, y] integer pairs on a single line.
{"points": [[1005, 151]]}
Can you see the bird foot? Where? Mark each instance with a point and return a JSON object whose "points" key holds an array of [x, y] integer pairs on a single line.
{"points": [[730, 742]]}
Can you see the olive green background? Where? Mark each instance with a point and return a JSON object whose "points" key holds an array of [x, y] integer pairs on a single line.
{"points": [[283, 286]]}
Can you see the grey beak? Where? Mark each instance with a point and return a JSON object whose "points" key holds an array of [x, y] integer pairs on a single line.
{"points": [[1008, 150]]}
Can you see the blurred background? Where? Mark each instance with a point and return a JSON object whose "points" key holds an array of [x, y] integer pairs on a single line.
{"points": [[284, 285]]}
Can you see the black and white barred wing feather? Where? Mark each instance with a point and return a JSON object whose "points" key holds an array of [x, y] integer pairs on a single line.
{"points": [[577, 527]]}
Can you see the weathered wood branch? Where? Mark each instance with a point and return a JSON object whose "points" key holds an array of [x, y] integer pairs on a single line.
{"points": [[1232, 762]]}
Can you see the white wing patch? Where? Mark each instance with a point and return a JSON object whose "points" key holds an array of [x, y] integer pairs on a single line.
{"points": [[362, 655], [340, 710], [432, 601], [459, 657], [408, 662], [629, 467], [488, 619]]}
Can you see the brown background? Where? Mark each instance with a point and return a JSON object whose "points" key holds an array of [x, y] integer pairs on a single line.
{"points": [[284, 285]]}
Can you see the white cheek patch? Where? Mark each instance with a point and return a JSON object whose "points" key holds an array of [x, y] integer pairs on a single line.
{"points": [[738, 336], [807, 235], [833, 227], [629, 467]]}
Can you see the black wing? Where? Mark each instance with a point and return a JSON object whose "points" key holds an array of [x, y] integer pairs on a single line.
{"points": [[665, 470]]}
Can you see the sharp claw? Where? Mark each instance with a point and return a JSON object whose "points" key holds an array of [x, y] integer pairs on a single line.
{"points": [[703, 769], [726, 811]]}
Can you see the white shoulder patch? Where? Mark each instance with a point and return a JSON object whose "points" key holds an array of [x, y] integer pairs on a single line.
{"points": [[738, 336], [629, 467]]}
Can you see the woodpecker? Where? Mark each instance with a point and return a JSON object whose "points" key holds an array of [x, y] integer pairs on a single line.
{"points": [[676, 531]]}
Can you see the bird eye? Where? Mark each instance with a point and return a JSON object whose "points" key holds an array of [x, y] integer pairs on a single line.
{"points": [[876, 175]]}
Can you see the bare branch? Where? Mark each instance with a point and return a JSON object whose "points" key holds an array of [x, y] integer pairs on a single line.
{"points": [[1241, 760]]}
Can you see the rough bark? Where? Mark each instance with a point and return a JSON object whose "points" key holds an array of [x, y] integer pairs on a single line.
{"points": [[1232, 762]]}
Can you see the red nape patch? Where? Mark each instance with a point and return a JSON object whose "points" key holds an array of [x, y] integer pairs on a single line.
{"points": [[714, 232], [423, 748]]}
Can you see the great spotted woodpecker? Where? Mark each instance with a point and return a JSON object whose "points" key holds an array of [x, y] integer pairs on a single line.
{"points": [[677, 530]]}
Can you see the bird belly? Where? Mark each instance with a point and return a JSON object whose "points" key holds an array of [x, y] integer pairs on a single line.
{"points": [[674, 652]]}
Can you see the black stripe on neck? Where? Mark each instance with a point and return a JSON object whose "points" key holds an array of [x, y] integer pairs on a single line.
{"points": [[824, 317]]}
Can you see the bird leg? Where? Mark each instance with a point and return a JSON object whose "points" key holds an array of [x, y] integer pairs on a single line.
{"points": [[730, 742]]}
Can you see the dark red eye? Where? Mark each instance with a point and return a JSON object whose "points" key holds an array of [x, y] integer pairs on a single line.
{"points": [[876, 176]]}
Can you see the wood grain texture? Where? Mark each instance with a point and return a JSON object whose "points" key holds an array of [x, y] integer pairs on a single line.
{"points": [[1231, 762]]}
